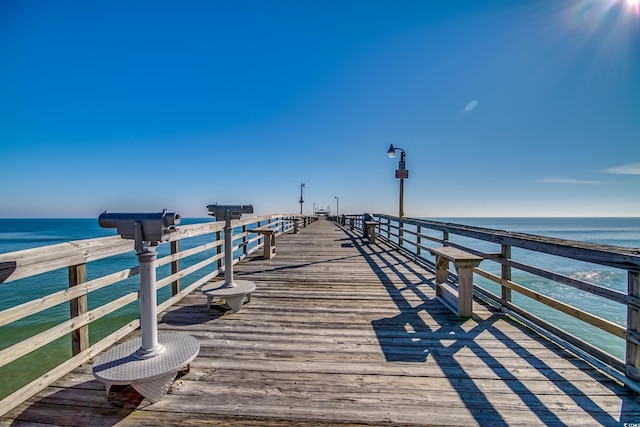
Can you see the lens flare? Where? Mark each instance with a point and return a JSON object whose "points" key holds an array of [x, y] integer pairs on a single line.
{"points": [[470, 106]]}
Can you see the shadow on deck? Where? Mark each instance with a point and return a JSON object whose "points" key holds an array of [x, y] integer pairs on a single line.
{"points": [[407, 347]]}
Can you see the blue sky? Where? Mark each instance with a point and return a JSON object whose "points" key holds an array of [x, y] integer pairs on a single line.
{"points": [[504, 108]]}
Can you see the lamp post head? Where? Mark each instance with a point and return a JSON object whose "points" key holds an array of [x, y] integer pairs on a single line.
{"points": [[391, 152]]}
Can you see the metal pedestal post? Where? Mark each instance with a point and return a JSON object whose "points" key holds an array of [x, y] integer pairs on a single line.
{"points": [[148, 305]]}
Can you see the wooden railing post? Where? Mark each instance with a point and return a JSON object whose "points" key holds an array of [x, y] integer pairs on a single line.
{"points": [[632, 369], [389, 229], [445, 238], [78, 306], [506, 272], [418, 240], [400, 232], [219, 248], [244, 240], [175, 268]]}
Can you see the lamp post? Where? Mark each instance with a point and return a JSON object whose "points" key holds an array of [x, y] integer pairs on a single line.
{"points": [[301, 199], [337, 206], [401, 173]]}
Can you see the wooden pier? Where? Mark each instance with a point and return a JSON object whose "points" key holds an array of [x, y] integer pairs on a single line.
{"points": [[340, 331]]}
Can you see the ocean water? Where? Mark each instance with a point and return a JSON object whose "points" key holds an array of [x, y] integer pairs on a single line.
{"points": [[19, 234]]}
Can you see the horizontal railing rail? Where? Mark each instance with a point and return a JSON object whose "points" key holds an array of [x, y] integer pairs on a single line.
{"points": [[416, 236], [78, 257]]}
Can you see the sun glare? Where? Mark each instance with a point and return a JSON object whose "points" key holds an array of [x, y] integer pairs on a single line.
{"points": [[608, 19]]}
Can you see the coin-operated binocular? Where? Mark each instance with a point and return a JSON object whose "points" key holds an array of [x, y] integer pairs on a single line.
{"points": [[146, 230], [152, 367], [235, 292], [142, 227], [235, 211]]}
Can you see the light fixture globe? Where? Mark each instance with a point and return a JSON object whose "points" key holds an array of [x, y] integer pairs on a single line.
{"points": [[391, 152]]}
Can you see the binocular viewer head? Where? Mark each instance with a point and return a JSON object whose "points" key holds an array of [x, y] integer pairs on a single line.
{"points": [[153, 227], [235, 211]]}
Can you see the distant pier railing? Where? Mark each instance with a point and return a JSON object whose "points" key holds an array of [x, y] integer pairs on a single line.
{"points": [[415, 236], [78, 258]]}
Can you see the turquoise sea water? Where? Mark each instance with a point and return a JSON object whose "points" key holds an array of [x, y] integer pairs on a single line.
{"points": [[19, 234]]}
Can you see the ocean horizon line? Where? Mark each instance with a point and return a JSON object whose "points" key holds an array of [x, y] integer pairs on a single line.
{"points": [[406, 216]]}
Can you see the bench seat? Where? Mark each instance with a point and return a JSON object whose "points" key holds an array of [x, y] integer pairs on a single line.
{"points": [[269, 240], [459, 300], [371, 230]]}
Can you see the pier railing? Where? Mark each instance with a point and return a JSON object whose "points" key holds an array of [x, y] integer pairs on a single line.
{"points": [[507, 260], [200, 259]]}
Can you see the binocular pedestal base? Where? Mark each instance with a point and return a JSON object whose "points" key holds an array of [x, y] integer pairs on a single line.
{"points": [[151, 377], [234, 294]]}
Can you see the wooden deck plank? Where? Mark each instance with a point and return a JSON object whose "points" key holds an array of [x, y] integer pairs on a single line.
{"points": [[340, 332]]}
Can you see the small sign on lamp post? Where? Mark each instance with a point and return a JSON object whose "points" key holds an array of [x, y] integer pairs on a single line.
{"points": [[402, 173]]}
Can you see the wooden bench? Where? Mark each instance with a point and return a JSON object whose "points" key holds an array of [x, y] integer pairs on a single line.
{"points": [[371, 230], [460, 300], [269, 240]]}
